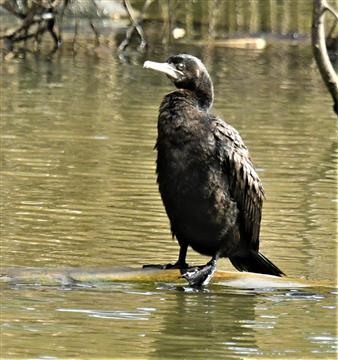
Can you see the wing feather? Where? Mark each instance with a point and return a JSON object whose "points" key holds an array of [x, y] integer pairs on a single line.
{"points": [[245, 186]]}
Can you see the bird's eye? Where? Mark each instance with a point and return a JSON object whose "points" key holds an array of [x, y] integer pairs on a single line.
{"points": [[180, 66]]}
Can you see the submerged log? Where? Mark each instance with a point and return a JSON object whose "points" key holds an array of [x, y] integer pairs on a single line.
{"points": [[98, 277]]}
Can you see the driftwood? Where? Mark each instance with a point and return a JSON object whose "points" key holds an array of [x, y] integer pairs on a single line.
{"points": [[91, 277], [320, 8]]}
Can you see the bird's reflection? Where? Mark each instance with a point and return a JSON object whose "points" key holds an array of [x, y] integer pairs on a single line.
{"points": [[205, 323]]}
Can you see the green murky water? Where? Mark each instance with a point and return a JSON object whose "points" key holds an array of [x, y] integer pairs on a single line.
{"points": [[78, 189]]}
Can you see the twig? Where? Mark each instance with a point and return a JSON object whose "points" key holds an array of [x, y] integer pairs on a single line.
{"points": [[93, 27], [37, 14], [325, 67], [333, 27], [96, 33], [76, 28], [62, 10], [327, 7]]}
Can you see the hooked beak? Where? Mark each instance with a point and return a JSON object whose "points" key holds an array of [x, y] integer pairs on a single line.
{"points": [[165, 68]]}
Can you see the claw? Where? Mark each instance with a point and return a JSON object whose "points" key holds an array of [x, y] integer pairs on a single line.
{"points": [[200, 275]]}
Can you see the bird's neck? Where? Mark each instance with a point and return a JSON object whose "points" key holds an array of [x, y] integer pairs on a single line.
{"points": [[204, 92], [205, 97], [199, 98]]}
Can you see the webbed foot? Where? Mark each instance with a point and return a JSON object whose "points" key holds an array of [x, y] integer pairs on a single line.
{"points": [[198, 276], [154, 266]]}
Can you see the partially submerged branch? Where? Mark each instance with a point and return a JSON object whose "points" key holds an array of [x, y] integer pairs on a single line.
{"points": [[135, 25], [38, 17], [329, 76], [90, 277]]}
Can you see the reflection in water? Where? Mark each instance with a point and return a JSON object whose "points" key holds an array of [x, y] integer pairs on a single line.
{"points": [[166, 321], [78, 189], [205, 325]]}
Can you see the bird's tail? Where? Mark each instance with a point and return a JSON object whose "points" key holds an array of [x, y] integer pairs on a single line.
{"points": [[255, 262]]}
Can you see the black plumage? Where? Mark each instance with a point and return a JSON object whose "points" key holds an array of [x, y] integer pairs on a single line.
{"points": [[208, 184]]}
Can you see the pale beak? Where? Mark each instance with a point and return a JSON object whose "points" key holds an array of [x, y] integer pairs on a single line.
{"points": [[165, 68]]}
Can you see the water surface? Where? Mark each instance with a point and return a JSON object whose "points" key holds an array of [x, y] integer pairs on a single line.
{"points": [[78, 189]]}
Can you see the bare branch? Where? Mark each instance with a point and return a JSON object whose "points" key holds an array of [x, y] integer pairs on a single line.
{"points": [[37, 19], [327, 7], [325, 67], [135, 25]]}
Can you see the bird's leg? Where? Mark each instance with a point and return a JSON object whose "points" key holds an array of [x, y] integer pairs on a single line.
{"points": [[201, 275], [179, 264]]}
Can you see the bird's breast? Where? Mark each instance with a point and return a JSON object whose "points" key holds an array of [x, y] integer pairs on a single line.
{"points": [[186, 165]]}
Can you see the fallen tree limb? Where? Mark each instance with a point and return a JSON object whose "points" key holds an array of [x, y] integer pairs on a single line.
{"points": [[91, 277]]}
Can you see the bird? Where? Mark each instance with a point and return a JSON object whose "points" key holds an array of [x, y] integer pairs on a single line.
{"points": [[210, 189]]}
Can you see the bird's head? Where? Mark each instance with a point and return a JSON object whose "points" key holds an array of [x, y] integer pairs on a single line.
{"points": [[187, 72]]}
